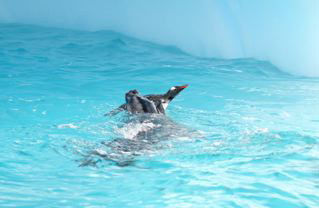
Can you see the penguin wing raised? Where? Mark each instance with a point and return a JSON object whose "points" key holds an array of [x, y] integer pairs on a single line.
{"points": [[157, 99], [147, 104]]}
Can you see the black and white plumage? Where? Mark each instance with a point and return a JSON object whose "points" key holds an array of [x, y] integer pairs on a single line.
{"points": [[136, 103]]}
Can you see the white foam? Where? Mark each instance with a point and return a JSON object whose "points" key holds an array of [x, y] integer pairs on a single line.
{"points": [[70, 125], [130, 130]]}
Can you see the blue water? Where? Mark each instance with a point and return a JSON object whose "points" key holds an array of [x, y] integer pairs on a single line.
{"points": [[243, 134]]}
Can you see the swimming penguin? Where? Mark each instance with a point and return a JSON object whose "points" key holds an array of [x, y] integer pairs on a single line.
{"points": [[136, 103], [145, 129]]}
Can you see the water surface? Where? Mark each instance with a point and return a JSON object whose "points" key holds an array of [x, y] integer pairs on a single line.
{"points": [[243, 134]]}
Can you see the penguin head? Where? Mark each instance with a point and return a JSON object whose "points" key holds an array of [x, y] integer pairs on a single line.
{"points": [[171, 93]]}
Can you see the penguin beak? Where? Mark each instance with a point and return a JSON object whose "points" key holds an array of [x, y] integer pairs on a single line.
{"points": [[182, 87]]}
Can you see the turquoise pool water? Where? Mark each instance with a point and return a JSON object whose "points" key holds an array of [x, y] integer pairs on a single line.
{"points": [[243, 134]]}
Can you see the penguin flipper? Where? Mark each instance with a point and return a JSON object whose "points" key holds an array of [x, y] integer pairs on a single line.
{"points": [[116, 110], [147, 105]]}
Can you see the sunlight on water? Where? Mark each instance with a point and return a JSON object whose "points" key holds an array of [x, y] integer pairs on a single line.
{"points": [[243, 134]]}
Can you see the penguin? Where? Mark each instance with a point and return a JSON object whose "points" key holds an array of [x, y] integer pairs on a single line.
{"points": [[154, 103]]}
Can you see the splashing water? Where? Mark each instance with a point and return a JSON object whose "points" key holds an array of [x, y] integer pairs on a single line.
{"points": [[243, 134]]}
